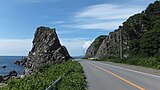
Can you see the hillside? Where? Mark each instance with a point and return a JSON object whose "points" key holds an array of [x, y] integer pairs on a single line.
{"points": [[138, 36], [92, 50]]}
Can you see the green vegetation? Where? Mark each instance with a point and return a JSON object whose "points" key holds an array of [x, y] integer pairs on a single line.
{"points": [[150, 62], [46, 75], [140, 39], [145, 46], [74, 80], [147, 41], [98, 41]]}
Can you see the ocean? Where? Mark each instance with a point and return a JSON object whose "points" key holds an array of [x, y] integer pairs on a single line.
{"points": [[9, 61]]}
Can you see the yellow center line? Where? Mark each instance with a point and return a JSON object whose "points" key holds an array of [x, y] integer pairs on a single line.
{"points": [[119, 77]]}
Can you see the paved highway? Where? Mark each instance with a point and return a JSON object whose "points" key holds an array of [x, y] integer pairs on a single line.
{"points": [[101, 76]]}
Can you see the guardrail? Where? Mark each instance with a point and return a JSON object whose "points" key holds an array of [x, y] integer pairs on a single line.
{"points": [[53, 86], [55, 83]]}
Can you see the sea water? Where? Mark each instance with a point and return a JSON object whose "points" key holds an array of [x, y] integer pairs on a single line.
{"points": [[9, 61]]}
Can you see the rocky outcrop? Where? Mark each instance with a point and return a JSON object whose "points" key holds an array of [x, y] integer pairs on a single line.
{"points": [[92, 50], [109, 46], [138, 35], [22, 61], [46, 49], [1, 78], [17, 62], [13, 73], [4, 67], [7, 77]]}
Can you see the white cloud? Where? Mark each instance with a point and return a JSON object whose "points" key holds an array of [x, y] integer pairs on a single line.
{"points": [[58, 22], [103, 16], [15, 46], [87, 44], [101, 25], [108, 11], [21, 47], [65, 32], [75, 46]]}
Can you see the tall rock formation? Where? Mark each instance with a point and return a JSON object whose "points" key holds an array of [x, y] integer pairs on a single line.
{"points": [[109, 46], [92, 50], [138, 35], [46, 49]]}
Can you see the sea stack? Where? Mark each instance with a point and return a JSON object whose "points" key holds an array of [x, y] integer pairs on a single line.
{"points": [[46, 50]]}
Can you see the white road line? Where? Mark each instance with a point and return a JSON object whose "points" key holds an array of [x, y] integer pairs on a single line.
{"points": [[131, 70]]}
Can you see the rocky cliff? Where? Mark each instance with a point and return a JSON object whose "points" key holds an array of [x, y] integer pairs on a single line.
{"points": [[139, 34], [109, 46], [46, 49], [92, 50]]}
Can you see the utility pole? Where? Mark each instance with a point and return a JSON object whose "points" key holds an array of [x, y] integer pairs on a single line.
{"points": [[120, 44]]}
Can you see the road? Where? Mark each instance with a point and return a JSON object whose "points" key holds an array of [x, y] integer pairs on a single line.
{"points": [[102, 76]]}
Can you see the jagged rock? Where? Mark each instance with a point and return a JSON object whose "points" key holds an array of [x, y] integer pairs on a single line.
{"points": [[60, 55], [22, 61], [27, 71], [17, 62], [92, 50], [4, 67], [7, 77], [46, 49], [13, 73], [1, 79], [109, 46]]}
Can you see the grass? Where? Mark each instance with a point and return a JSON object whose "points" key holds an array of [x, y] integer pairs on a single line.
{"points": [[74, 79]]}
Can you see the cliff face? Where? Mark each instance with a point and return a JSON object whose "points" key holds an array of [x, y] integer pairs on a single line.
{"points": [[138, 35], [109, 46], [92, 50], [46, 49]]}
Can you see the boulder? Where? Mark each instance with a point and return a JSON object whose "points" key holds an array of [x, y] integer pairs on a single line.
{"points": [[22, 61], [5, 78], [17, 62], [1, 79], [4, 67], [13, 73]]}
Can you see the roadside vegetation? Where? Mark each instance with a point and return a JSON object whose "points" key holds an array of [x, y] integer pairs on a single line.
{"points": [[74, 79], [150, 62], [140, 39]]}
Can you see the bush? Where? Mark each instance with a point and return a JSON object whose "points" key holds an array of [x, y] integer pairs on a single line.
{"points": [[47, 75], [150, 62]]}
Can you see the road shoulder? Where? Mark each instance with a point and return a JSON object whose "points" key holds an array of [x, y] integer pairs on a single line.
{"points": [[136, 68]]}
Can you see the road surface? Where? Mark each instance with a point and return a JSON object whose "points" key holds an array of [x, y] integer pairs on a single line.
{"points": [[102, 76]]}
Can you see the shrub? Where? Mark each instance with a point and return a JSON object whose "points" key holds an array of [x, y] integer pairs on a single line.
{"points": [[47, 75]]}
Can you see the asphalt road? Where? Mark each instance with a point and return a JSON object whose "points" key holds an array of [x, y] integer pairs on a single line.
{"points": [[101, 76]]}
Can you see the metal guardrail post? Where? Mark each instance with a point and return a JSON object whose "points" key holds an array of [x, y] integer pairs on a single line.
{"points": [[55, 83], [53, 86]]}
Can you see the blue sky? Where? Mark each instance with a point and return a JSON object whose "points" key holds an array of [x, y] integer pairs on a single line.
{"points": [[78, 22]]}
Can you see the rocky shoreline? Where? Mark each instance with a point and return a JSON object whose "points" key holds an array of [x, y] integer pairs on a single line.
{"points": [[13, 73], [21, 62], [7, 77], [46, 50]]}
